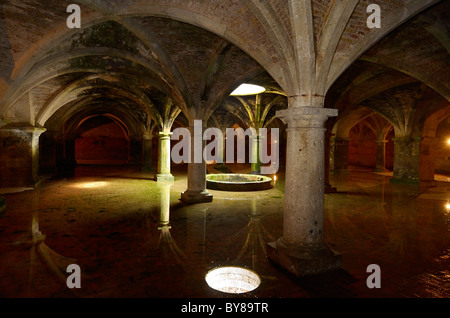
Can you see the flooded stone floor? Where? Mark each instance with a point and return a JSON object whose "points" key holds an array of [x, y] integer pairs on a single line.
{"points": [[106, 220]]}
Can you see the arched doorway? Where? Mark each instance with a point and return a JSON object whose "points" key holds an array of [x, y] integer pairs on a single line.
{"points": [[434, 146], [102, 139]]}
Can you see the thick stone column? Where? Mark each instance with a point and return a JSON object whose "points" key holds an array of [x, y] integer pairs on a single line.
{"points": [[380, 165], [301, 250], [340, 156], [196, 184], [406, 160], [19, 156], [164, 157]]}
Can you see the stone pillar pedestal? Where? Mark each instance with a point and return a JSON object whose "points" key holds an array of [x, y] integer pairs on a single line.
{"points": [[380, 165], [164, 158], [19, 156], [341, 156], [406, 160], [196, 184], [301, 250]]}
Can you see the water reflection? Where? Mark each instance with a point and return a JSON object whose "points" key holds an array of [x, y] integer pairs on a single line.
{"points": [[166, 246], [54, 261], [256, 237]]}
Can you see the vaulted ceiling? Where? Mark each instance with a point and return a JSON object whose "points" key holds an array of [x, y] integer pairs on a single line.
{"points": [[131, 56]]}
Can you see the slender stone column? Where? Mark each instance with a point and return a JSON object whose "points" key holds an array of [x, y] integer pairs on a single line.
{"points": [[406, 160], [341, 156], [381, 156], [196, 186], [301, 250], [19, 156], [164, 157], [256, 160]]}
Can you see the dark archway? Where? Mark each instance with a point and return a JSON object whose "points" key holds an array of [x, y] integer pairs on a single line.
{"points": [[102, 140]]}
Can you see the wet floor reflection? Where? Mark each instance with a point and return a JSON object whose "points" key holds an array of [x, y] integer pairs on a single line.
{"points": [[135, 238]]}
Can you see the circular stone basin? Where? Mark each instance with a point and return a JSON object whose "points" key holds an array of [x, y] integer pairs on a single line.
{"points": [[237, 182], [233, 279]]}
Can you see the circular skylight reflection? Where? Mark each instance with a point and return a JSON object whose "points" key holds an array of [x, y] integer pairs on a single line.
{"points": [[233, 279]]}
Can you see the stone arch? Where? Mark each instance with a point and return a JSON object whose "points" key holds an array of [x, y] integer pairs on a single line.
{"points": [[428, 145]]}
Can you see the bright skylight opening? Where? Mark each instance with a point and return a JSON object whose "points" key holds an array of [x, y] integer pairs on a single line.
{"points": [[248, 89]]}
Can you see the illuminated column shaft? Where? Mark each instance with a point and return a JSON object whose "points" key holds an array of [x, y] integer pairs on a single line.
{"points": [[255, 160], [164, 157], [196, 185], [301, 250]]}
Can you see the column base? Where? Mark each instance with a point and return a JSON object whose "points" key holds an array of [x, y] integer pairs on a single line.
{"points": [[303, 261], [163, 177], [191, 197]]}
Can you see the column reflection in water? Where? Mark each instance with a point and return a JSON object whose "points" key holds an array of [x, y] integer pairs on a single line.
{"points": [[254, 245], [40, 251], [166, 244]]}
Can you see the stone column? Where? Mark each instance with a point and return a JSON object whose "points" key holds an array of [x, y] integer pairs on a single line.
{"points": [[163, 173], [301, 250], [426, 161], [341, 156], [147, 149], [19, 156], [255, 160], [196, 184], [381, 156], [222, 167], [406, 160]]}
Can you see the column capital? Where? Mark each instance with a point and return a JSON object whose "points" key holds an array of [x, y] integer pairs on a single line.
{"points": [[164, 134], [306, 117]]}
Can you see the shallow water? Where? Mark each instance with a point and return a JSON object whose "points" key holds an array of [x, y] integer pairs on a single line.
{"points": [[107, 222]]}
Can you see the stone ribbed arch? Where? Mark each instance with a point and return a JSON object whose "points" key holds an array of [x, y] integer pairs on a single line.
{"points": [[71, 92]]}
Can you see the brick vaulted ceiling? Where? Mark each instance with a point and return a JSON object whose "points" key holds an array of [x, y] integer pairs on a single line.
{"points": [[133, 55]]}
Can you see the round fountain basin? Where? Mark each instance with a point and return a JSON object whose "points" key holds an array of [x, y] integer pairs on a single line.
{"points": [[237, 182]]}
